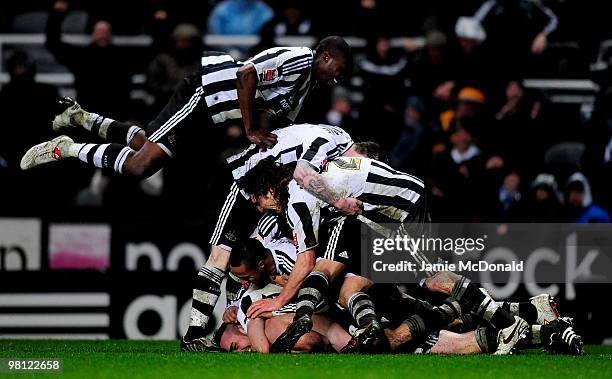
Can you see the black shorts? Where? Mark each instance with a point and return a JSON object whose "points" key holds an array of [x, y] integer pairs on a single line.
{"points": [[236, 217], [185, 109], [340, 241]]}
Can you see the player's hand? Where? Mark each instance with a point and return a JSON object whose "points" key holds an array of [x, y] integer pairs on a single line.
{"points": [[259, 307], [349, 206], [262, 138], [229, 316], [280, 280]]}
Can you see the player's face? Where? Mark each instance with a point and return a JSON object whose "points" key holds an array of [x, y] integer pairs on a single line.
{"points": [[329, 69], [266, 202], [250, 275], [233, 340]]}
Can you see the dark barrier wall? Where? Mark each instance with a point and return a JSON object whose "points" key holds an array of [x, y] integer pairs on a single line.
{"points": [[133, 280]]}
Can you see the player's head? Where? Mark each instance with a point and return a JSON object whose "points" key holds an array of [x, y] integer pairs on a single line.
{"points": [[266, 183], [247, 261], [370, 149], [231, 338], [333, 59]]}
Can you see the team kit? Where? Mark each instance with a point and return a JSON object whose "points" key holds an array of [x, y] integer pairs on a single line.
{"points": [[286, 240]]}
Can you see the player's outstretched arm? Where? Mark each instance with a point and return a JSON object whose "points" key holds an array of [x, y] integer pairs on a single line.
{"points": [[303, 266], [309, 179], [246, 86]]}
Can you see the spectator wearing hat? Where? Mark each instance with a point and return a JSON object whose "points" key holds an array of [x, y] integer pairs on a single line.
{"points": [[579, 207], [167, 69], [543, 203]]}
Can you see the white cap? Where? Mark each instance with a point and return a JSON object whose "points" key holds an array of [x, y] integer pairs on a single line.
{"points": [[470, 28]]}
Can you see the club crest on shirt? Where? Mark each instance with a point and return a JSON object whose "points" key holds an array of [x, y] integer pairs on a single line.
{"points": [[269, 75], [348, 163]]}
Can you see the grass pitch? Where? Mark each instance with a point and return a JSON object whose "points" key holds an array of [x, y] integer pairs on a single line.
{"points": [[154, 359]]}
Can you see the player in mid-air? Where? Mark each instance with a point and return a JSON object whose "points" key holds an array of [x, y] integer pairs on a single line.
{"points": [[277, 80]]}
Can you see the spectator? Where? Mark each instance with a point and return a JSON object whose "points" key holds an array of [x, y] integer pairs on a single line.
{"points": [[512, 45], [431, 70], [384, 71], [18, 95], [579, 202], [102, 71], [239, 17], [22, 126], [293, 21], [543, 203], [469, 61], [411, 136], [168, 69], [457, 178], [342, 113]]}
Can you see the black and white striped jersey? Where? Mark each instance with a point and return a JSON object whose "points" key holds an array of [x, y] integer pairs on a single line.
{"points": [[389, 196], [315, 144], [284, 78], [274, 237]]}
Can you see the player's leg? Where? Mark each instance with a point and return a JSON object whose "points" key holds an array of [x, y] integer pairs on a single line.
{"points": [[74, 116], [185, 106], [420, 319], [472, 299], [540, 309], [311, 293], [237, 218]]}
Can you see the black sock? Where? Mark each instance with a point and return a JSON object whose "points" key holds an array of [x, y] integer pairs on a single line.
{"points": [[471, 298], [311, 293], [486, 337], [361, 307], [428, 318], [525, 310], [111, 130], [110, 156], [206, 291]]}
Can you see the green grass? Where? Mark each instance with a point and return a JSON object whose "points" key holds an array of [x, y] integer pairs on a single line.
{"points": [[142, 359]]}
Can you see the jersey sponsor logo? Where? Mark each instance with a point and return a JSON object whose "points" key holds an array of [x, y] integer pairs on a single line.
{"points": [[348, 164], [269, 75]]}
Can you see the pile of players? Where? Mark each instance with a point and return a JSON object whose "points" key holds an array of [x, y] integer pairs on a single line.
{"points": [[300, 264], [316, 189]]}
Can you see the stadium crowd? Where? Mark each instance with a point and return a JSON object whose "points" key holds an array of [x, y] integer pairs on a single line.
{"points": [[451, 107]]}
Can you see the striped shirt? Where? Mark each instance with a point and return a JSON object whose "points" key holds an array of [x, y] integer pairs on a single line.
{"points": [[283, 74], [314, 144], [273, 236], [389, 196]]}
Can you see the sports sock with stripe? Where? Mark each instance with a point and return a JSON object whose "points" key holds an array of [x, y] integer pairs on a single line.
{"points": [[206, 291], [471, 298], [311, 293], [110, 156]]}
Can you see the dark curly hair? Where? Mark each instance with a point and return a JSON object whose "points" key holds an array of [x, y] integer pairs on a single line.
{"points": [[269, 175]]}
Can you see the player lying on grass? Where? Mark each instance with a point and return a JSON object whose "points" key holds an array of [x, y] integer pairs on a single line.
{"points": [[260, 266], [390, 197]]}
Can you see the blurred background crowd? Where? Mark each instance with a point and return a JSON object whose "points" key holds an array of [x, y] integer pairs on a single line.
{"points": [[504, 107]]}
